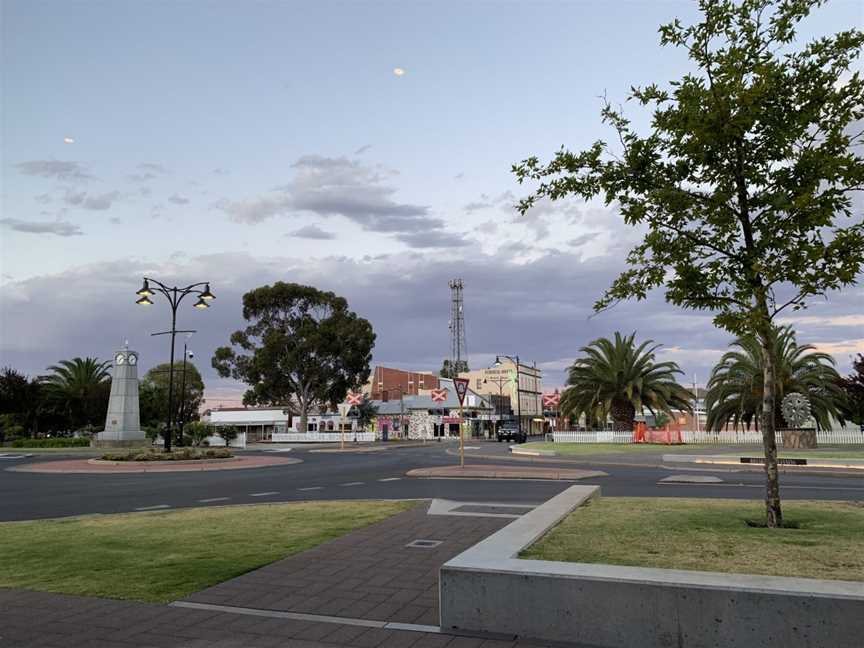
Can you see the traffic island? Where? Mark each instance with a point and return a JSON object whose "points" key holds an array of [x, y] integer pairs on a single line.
{"points": [[101, 467], [485, 471], [630, 607]]}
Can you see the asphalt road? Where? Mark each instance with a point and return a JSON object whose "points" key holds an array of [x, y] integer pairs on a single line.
{"points": [[378, 475]]}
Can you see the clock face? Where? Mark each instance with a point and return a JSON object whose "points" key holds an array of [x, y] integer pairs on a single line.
{"points": [[133, 359], [119, 359]]}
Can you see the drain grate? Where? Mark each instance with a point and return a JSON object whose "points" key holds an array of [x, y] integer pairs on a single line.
{"points": [[424, 544]]}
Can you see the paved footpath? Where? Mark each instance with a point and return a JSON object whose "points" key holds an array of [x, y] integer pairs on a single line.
{"points": [[380, 591]]}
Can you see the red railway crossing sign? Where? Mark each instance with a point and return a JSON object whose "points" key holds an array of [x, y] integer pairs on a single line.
{"points": [[439, 395], [354, 399], [551, 400]]}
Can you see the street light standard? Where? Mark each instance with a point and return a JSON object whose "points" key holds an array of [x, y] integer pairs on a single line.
{"points": [[182, 421], [174, 295], [518, 395]]}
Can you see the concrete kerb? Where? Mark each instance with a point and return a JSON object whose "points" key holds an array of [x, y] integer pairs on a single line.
{"points": [[631, 607], [729, 460]]}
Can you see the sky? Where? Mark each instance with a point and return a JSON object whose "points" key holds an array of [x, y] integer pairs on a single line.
{"points": [[243, 143]]}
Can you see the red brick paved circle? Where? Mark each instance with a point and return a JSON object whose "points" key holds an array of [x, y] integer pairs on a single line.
{"points": [[84, 466]]}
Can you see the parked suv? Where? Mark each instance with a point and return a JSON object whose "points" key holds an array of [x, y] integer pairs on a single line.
{"points": [[509, 431]]}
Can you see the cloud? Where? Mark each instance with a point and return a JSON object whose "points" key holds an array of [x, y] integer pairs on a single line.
{"points": [[477, 206], [43, 199], [362, 149], [177, 199], [56, 169], [583, 239], [114, 220], [327, 187], [59, 228], [148, 171], [312, 232], [434, 239], [95, 202]]}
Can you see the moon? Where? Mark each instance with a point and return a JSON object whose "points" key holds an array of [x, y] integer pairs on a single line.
{"points": [[68, 140], [399, 71]]}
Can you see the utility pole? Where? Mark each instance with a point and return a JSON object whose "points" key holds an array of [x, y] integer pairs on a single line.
{"points": [[695, 402]]}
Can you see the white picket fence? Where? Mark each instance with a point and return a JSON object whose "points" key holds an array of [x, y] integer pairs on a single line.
{"points": [[726, 437], [322, 437]]}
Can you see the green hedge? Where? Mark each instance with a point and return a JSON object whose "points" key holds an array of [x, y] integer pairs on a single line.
{"points": [[59, 442]]}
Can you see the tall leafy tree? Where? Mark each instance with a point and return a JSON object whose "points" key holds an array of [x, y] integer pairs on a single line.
{"points": [[853, 389], [452, 368], [743, 183], [79, 388], [735, 389], [619, 379], [153, 394], [303, 348], [22, 400]]}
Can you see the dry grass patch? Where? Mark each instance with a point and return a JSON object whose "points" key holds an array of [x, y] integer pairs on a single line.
{"points": [[711, 535]]}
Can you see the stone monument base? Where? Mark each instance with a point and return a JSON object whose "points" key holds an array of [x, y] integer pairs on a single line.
{"points": [[118, 443], [803, 438]]}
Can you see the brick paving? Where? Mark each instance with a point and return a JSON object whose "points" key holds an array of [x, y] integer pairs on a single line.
{"points": [[367, 574]]}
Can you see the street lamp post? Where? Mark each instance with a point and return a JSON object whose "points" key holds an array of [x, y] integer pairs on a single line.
{"points": [[499, 405], [174, 295], [182, 413], [518, 395]]}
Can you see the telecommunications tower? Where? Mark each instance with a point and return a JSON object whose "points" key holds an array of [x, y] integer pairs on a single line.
{"points": [[458, 347]]}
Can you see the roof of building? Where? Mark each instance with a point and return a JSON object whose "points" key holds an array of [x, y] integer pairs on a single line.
{"points": [[425, 402]]}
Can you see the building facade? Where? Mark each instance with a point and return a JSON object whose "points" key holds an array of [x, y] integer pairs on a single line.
{"points": [[387, 383], [523, 398]]}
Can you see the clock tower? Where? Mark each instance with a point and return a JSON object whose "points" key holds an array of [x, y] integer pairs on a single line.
{"points": [[122, 424]]}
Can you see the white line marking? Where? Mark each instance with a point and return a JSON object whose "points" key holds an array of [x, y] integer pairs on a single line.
{"points": [[214, 499], [263, 494], [386, 479], [310, 488], [153, 508], [352, 484]]}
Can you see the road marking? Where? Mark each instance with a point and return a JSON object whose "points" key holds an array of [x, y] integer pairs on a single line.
{"points": [[263, 494], [352, 484], [310, 488], [153, 508], [214, 499], [390, 479]]}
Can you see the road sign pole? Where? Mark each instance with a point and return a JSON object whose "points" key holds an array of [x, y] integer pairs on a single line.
{"points": [[461, 437]]}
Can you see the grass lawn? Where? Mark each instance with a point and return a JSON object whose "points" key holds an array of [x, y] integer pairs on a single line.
{"points": [[165, 556], [711, 535]]}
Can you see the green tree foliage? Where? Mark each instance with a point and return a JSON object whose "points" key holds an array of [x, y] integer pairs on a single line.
{"points": [[303, 347], [22, 403], [228, 433], [618, 379], [735, 389], [153, 394], [366, 411], [452, 368], [196, 432], [743, 185], [853, 389], [79, 390]]}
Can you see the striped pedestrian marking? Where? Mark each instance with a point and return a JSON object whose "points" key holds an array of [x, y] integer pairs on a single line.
{"points": [[308, 488], [352, 484], [153, 508], [386, 479], [265, 494], [214, 499]]}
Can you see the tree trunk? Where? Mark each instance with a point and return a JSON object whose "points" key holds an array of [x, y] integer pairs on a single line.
{"points": [[623, 414], [773, 513]]}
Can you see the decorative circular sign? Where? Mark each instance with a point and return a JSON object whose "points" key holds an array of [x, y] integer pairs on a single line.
{"points": [[795, 408]]}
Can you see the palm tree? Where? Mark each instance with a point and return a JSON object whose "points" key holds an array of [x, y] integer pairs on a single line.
{"points": [[618, 378], [79, 388], [734, 394]]}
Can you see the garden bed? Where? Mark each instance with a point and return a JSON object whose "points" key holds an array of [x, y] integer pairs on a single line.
{"points": [[184, 454]]}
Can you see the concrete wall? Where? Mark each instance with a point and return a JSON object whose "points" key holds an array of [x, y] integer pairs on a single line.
{"points": [[488, 589]]}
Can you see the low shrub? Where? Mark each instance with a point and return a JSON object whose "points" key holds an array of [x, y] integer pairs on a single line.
{"points": [[57, 442], [183, 454]]}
